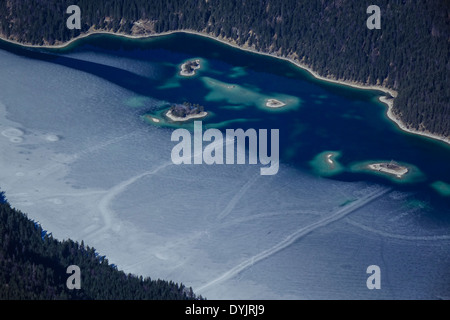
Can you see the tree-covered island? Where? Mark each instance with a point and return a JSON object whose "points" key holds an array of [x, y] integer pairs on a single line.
{"points": [[186, 111]]}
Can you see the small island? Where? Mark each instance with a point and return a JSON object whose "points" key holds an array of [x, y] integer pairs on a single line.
{"points": [[185, 112], [392, 168], [188, 68], [156, 120], [329, 160], [394, 171], [274, 103], [326, 164]]}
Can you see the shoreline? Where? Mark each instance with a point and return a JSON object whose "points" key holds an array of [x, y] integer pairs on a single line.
{"points": [[401, 125], [388, 102]]}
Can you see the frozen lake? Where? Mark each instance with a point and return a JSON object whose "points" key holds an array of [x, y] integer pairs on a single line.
{"points": [[77, 157]]}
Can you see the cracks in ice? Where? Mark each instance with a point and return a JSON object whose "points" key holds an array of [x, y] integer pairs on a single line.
{"points": [[289, 240], [234, 201], [398, 236], [104, 204]]}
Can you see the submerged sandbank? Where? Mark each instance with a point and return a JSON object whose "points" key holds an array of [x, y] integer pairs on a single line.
{"points": [[442, 188]]}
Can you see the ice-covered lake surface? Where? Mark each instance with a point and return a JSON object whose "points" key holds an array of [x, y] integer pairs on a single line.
{"points": [[77, 157]]}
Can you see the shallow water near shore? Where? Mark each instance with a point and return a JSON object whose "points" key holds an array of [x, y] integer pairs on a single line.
{"points": [[76, 138]]}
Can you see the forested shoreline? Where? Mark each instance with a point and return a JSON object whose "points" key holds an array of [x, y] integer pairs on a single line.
{"points": [[33, 266], [410, 54]]}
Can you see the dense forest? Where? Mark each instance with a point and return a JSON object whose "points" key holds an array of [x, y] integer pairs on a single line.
{"points": [[410, 53], [33, 265], [186, 109]]}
